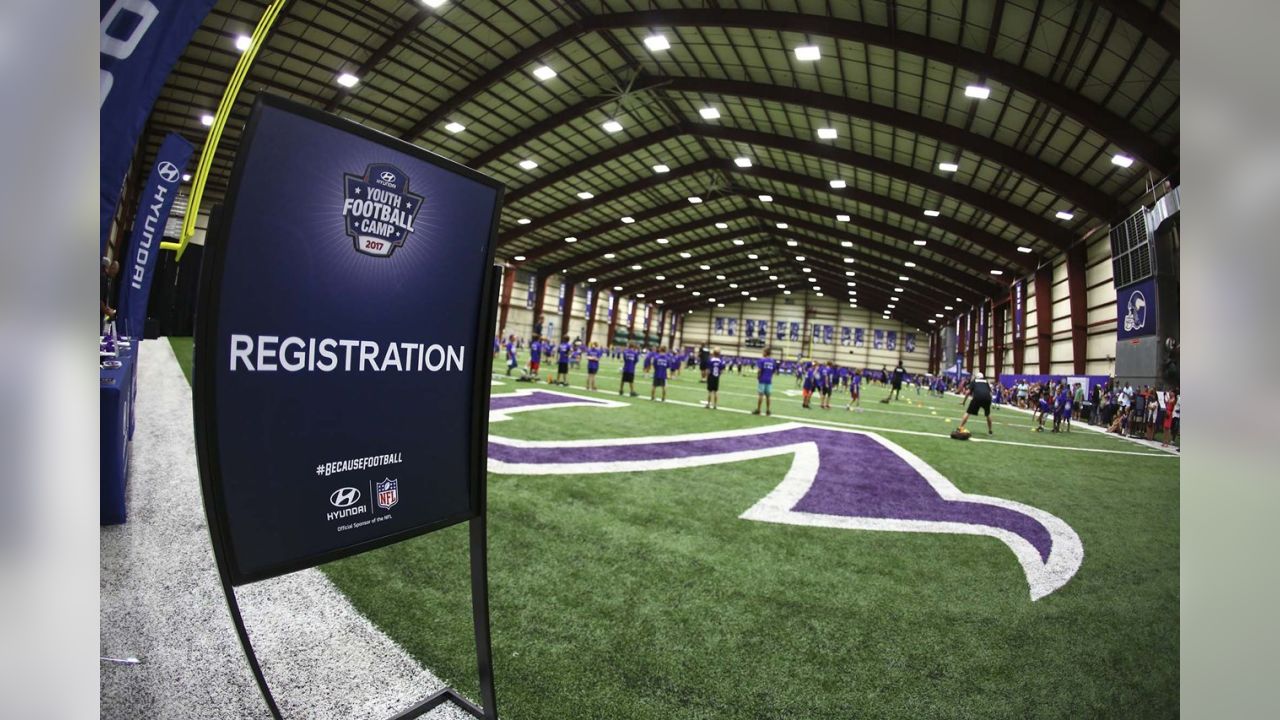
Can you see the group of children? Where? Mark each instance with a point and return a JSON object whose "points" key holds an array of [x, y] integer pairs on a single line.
{"points": [[660, 364], [1060, 400]]}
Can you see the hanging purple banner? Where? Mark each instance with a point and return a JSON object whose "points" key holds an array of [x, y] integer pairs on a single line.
{"points": [[148, 231]]}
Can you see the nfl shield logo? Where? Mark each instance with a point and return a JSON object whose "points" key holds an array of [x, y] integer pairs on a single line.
{"points": [[388, 493]]}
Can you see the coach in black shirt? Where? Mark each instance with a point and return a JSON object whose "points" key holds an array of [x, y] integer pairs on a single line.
{"points": [[979, 394]]}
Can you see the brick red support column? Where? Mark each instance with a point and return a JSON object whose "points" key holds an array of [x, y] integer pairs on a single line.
{"points": [[504, 300], [1078, 300], [1044, 316], [568, 309], [539, 298]]}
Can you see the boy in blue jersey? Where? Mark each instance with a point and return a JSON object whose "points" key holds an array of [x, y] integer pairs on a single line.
{"points": [[629, 358], [593, 365], [810, 384], [535, 356], [1062, 409], [715, 367], [826, 381], [855, 390], [512, 362], [661, 361], [764, 382], [562, 362], [648, 360], [1043, 407]]}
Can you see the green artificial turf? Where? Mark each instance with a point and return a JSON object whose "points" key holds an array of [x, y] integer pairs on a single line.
{"points": [[642, 595]]}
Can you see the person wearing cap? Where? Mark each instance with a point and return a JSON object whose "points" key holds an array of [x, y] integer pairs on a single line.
{"points": [[979, 392]]}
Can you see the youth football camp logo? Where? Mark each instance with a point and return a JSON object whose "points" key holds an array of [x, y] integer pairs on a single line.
{"points": [[379, 209], [1136, 312]]}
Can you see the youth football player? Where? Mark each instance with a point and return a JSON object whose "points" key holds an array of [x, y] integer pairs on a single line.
{"points": [[855, 390], [715, 366], [562, 361], [660, 364], [826, 381], [512, 362], [593, 365], [810, 383], [764, 382], [535, 356], [629, 358]]}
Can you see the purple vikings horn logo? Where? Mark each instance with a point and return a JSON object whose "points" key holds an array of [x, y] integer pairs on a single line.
{"points": [[378, 209], [845, 479]]}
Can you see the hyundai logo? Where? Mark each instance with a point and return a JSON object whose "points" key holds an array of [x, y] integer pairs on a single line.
{"points": [[344, 497], [168, 171], [388, 176]]}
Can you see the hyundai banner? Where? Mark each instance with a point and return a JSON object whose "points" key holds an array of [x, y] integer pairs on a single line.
{"points": [[148, 231], [342, 344], [139, 42]]}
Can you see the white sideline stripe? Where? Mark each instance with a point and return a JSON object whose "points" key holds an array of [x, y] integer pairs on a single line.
{"points": [[160, 600], [575, 401], [1043, 577]]}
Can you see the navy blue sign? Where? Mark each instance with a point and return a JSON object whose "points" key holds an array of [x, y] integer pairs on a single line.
{"points": [[342, 343], [148, 231], [140, 40], [1136, 310]]}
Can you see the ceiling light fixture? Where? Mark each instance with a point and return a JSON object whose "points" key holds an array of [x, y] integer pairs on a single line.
{"points": [[661, 169], [837, 184], [243, 42], [1122, 160], [978, 92], [709, 113], [1063, 215], [808, 53], [826, 133], [948, 166], [455, 127], [528, 164], [347, 80], [657, 43], [543, 73], [611, 126], [742, 162]]}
